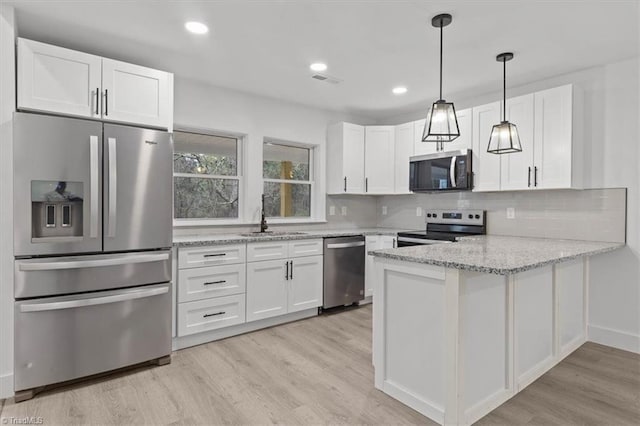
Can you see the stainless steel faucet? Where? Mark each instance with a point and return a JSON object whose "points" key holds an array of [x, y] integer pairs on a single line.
{"points": [[263, 221]]}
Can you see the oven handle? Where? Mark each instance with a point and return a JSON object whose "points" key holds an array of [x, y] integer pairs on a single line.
{"points": [[79, 264], [452, 171], [69, 304]]}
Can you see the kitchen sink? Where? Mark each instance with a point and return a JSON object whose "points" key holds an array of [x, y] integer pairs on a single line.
{"points": [[271, 234]]}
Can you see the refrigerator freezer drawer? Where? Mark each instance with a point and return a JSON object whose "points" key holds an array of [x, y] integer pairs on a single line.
{"points": [[65, 338], [75, 274]]}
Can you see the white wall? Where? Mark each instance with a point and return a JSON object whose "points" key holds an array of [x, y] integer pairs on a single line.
{"points": [[202, 106], [610, 136], [7, 105]]}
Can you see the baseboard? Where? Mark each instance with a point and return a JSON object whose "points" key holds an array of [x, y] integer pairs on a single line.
{"points": [[614, 338], [6, 386]]}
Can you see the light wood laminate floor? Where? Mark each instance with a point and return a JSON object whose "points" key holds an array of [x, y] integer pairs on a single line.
{"points": [[318, 371]]}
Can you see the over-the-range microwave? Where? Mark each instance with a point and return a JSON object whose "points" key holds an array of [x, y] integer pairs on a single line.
{"points": [[444, 171]]}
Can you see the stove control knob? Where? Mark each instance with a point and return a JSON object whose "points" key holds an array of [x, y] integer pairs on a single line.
{"points": [[470, 216], [428, 214], [435, 215], [477, 216]]}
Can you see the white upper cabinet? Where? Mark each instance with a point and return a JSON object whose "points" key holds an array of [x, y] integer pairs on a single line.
{"points": [[419, 147], [465, 125], [345, 159], [52, 78], [403, 151], [63, 81], [379, 164], [553, 147], [135, 94], [518, 168], [486, 166]]}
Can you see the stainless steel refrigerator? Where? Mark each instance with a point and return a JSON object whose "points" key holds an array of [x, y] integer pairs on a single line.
{"points": [[92, 237]]}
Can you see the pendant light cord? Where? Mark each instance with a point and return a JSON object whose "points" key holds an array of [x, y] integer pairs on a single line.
{"points": [[440, 59], [504, 89]]}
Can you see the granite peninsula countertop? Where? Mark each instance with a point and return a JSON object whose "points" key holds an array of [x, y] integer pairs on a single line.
{"points": [[240, 238], [498, 254]]}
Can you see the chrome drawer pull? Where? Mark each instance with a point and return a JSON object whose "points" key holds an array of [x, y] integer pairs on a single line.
{"points": [[215, 255], [213, 315], [215, 282]]}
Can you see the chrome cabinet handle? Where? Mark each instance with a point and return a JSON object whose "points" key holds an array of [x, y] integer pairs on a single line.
{"points": [[93, 183], [113, 187], [214, 282], [106, 102], [68, 304], [291, 271], [535, 176], [345, 184], [79, 264], [213, 315], [214, 255]]}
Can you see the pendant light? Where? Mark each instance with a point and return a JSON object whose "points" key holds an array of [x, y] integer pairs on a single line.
{"points": [[442, 123], [504, 136]]}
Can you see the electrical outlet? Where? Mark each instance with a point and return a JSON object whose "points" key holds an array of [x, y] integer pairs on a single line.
{"points": [[511, 213], [418, 211], [344, 210], [332, 210], [384, 210]]}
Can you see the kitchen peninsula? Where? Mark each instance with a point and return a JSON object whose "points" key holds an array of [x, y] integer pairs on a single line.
{"points": [[460, 328]]}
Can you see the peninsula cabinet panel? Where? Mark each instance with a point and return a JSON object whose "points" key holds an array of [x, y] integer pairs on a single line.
{"points": [[533, 324], [571, 292], [52, 78]]}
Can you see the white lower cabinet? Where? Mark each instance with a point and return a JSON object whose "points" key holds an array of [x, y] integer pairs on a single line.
{"points": [[210, 314], [213, 281], [305, 286], [375, 242], [266, 289]]}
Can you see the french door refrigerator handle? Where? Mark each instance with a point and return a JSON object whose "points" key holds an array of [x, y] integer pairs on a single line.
{"points": [[93, 176], [80, 264], [452, 171], [68, 304], [113, 187]]}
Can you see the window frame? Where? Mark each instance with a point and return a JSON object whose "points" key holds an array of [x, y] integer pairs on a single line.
{"points": [[239, 177], [313, 167]]}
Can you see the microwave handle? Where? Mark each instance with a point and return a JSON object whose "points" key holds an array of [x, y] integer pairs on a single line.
{"points": [[452, 172]]}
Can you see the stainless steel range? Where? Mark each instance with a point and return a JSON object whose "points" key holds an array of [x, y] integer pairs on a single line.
{"points": [[445, 226], [92, 238]]}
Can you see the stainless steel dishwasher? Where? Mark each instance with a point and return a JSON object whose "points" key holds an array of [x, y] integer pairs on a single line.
{"points": [[344, 259]]}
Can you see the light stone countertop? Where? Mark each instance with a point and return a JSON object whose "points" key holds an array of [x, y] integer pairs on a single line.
{"points": [[237, 238], [498, 254]]}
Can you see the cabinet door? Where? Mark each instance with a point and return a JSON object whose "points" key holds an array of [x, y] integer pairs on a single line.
{"points": [[403, 151], [267, 289], [486, 166], [465, 140], [387, 242], [379, 161], [372, 242], [54, 79], [419, 147], [353, 158], [553, 144], [305, 285], [135, 94], [517, 168]]}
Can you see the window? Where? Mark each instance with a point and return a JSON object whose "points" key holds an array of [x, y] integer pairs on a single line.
{"points": [[288, 180], [206, 176]]}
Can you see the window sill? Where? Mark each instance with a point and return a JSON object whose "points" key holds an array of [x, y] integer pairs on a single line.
{"points": [[222, 222], [293, 221]]}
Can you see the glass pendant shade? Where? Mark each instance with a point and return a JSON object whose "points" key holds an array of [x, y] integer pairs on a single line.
{"points": [[441, 124], [504, 139]]}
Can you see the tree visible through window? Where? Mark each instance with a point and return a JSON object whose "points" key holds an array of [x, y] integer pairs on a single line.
{"points": [[206, 178], [288, 182]]}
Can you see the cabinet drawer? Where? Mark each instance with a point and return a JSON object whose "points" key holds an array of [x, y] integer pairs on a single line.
{"points": [[212, 281], [193, 257], [300, 248], [210, 314], [269, 250]]}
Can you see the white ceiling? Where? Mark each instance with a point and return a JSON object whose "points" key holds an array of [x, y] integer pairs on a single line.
{"points": [[265, 47]]}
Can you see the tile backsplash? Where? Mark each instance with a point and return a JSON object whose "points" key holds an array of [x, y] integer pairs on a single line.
{"points": [[590, 214]]}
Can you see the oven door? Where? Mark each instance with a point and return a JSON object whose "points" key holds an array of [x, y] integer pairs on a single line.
{"points": [[448, 171]]}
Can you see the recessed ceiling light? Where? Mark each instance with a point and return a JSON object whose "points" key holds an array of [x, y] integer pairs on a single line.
{"points": [[400, 90], [318, 67], [196, 27]]}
